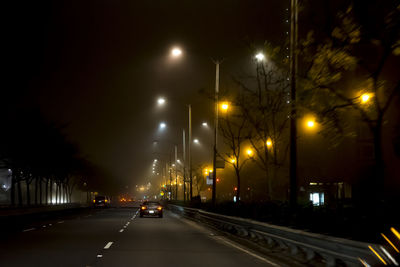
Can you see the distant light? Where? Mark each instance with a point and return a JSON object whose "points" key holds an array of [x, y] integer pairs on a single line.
{"points": [[161, 101], [204, 124], [310, 124], [249, 152], [178, 160], [163, 125], [365, 98], [176, 52], [155, 160], [224, 106], [269, 142], [233, 160], [196, 141], [260, 57]]}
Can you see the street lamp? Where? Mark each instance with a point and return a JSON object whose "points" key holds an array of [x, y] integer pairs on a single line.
{"points": [[196, 141], [204, 124], [225, 106], [161, 101], [260, 57], [269, 143], [310, 124], [176, 52], [365, 98], [163, 125]]}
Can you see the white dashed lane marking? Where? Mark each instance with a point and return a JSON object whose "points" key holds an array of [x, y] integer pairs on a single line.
{"points": [[108, 245], [27, 230], [121, 230]]}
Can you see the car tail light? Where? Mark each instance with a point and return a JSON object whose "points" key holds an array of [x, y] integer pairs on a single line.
{"points": [[159, 208]]}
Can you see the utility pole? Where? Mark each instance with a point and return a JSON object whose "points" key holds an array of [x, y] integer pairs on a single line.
{"points": [[293, 118], [214, 185], [170, 177], [176, 172], [184, 164], [190, 154]]}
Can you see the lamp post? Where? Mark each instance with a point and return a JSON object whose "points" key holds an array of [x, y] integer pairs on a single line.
{"points": [[293, 119], [190, 154], [214, 185]]}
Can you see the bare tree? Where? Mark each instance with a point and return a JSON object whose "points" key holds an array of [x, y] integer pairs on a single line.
{"points": [[350, 70], [266, 108]]}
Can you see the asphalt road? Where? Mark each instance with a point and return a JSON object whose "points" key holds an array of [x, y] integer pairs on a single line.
{"points": [[119, 237]]}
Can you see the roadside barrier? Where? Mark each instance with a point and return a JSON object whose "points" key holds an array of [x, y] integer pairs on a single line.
{"points": [[309, 248]]}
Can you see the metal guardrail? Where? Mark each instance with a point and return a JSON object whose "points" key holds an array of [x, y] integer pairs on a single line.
{"points": [[310, 248]]}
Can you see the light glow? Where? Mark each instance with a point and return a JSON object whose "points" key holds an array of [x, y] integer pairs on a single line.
{"points": [[249, 152], [161, 101], [365, 98], [269, 142], [176, 52], [260, 57], [224, 106], [310, 123]]}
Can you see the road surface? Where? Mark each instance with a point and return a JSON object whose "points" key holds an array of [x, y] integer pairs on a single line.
{"points": [[119, 237]]}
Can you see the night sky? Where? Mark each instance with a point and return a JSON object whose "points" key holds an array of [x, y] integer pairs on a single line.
{"points": [[99, 66]]}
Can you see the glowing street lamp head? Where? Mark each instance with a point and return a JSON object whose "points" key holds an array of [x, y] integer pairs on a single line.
{"points": [[269, 142], [176, 52], [260, 57], [365, 98], [196, 141], [161, 101], [233, 160], [163, 125], [204, 124], [310, 123], [249, 152], [224, 106]]}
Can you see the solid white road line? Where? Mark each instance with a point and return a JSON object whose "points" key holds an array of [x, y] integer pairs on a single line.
{"points": [[224, 240], [245, 251], [27, 230], [121, 230], [60, 222], [108, 245], [99, 256]]}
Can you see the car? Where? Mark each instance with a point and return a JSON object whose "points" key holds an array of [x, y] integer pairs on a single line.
{"points": [[101, 201], [151, 208]]}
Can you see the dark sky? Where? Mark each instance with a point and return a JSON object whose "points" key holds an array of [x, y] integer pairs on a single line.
{"points": [[100, 65]]}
